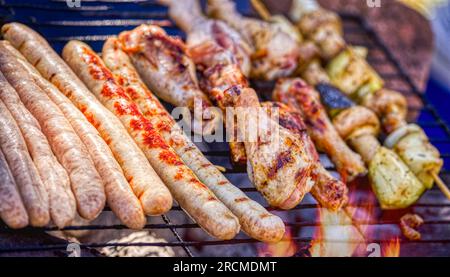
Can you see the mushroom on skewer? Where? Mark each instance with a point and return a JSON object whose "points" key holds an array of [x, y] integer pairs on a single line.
{"points": [[394, 184], [349, 71]]}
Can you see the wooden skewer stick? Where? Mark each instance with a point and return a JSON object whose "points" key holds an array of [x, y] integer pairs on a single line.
{"points": [[445, 190], [261, 9]]}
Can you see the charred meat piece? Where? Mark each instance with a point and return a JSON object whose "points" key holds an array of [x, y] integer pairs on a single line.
{"points": [[303, 98], [158, 57], [328, 191], [408, 224], [276, 51]]}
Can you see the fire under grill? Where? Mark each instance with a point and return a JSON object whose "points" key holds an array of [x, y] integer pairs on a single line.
{"points": [[94, 21]]}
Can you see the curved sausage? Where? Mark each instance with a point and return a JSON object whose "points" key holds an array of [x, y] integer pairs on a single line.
{"points": [[12, 210], [141, 176], [192, 195], [27, 178], [255, 220], [86, 183], [119, 195], [53, 175]]}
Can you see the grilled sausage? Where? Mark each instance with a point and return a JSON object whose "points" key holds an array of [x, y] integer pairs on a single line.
{"points": [[119, 195], [254, 219], [141, 176], [27, 178], [67, 146], [190, 193], [12, 210], [53, 175]]}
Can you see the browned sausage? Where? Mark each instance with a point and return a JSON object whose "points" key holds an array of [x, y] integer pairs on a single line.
{"points": [[192, 195], [27, 178]]}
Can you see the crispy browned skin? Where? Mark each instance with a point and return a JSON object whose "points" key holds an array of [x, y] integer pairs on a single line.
{"points": [[87, 185], [192, 195], [54, 176], [255, 220], [277, 162], [160, 57], [32, 190], [301, 97], [12, 210], [203, 31], [276, 52], [147, 46], [328, 191]]}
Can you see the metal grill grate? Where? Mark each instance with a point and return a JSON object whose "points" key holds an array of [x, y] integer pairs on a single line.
{"points": [[94, 21]]}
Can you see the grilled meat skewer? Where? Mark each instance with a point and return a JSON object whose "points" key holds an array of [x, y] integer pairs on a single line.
{"points": [[296, 94], [278, 164], [158, 56], [392, 181], [256, 221], [328, 191], [276, 51], [351, 73]]}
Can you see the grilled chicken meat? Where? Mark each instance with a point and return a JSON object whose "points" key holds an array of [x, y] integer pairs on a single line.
{"points": [[189, 17], [321, 26], [278, 163], [328, 191], [298, 95], [160, 57], [276, 52]]}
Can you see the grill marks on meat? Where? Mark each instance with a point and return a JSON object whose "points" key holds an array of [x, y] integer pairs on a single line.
{"points": [[157, 57], [304, 99], [328, 191]]}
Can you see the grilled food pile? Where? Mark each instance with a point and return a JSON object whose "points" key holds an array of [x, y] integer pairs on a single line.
{"points": [[81, 131], [355, 98]]}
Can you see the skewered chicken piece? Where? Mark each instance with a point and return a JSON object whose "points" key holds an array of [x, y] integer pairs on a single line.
{"points": [[158, 56], [276, 51], [278, 164], [256, 221], [352, 74], [328, 191], [321, 26], [296, 94], [393, 182]]}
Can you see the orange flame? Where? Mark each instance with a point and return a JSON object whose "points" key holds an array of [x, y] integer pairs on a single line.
{"points": [[345, 233], [392, 249], [285, 248]]}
